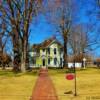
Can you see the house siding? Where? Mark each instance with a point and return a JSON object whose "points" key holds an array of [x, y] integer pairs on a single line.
{"points": [[45, 55]]}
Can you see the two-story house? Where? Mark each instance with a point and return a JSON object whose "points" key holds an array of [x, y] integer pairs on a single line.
{"points": [[47, 54]]}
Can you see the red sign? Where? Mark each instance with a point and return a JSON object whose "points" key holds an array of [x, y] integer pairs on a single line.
{"points": [[70, 76]]}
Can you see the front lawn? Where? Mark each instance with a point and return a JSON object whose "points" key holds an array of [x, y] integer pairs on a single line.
{"points": [[16, 86], [19, 86], [88, 84]]}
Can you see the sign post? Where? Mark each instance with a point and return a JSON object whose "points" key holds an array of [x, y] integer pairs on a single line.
{"points": [[71, 76], [84, 63], [75, 80]]}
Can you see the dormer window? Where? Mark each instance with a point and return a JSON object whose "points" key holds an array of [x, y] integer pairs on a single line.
{"points": [[48, 50], [43, 50], [61, 50], [55, 51]]}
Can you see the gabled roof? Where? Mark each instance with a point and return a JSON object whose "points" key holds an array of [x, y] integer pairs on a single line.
{"points": [[46, 43]]}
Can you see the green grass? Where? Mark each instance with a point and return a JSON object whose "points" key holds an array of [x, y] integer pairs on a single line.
{"points": [[16, 86], [88, 84]]}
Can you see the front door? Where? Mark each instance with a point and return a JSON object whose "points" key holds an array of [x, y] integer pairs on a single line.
{"points": [[43, 62]]}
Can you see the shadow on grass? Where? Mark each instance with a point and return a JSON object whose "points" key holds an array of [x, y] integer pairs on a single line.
{"points": [[55, 71], [10, 73]]}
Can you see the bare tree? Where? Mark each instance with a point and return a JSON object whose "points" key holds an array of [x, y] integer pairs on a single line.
{"points": [[3, 37], [18, 14], [78, 39], [82, 41], [3, 41], [60, 13], [93, 14]]}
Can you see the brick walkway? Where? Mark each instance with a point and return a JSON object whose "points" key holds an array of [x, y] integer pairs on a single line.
{"points": [[44, 88]]}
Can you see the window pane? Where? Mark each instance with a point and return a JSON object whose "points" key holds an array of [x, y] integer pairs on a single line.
{"points": [[43, 50], [61, 50], [48, 50], [48, 60], [55, 51], [55, 61]]}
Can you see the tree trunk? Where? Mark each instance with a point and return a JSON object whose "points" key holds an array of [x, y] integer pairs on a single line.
{"points": [[3, 66], [23, 69], [27, 54], [16, 62], [24, 55], [65, 63]]}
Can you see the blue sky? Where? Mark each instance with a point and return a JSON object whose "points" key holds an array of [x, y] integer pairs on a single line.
{"points": [[41, 29]]}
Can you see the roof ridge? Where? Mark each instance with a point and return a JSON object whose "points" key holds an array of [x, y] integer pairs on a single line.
{"points": [[45, 43]]}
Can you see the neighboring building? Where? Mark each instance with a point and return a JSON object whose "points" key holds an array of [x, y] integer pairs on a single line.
{"points": [[47, 54]]}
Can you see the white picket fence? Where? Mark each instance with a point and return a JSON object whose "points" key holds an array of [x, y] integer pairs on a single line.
{"points": [[77, 65]]}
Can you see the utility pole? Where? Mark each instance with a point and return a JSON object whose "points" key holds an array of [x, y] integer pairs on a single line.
{"points": [[75, 80]]}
